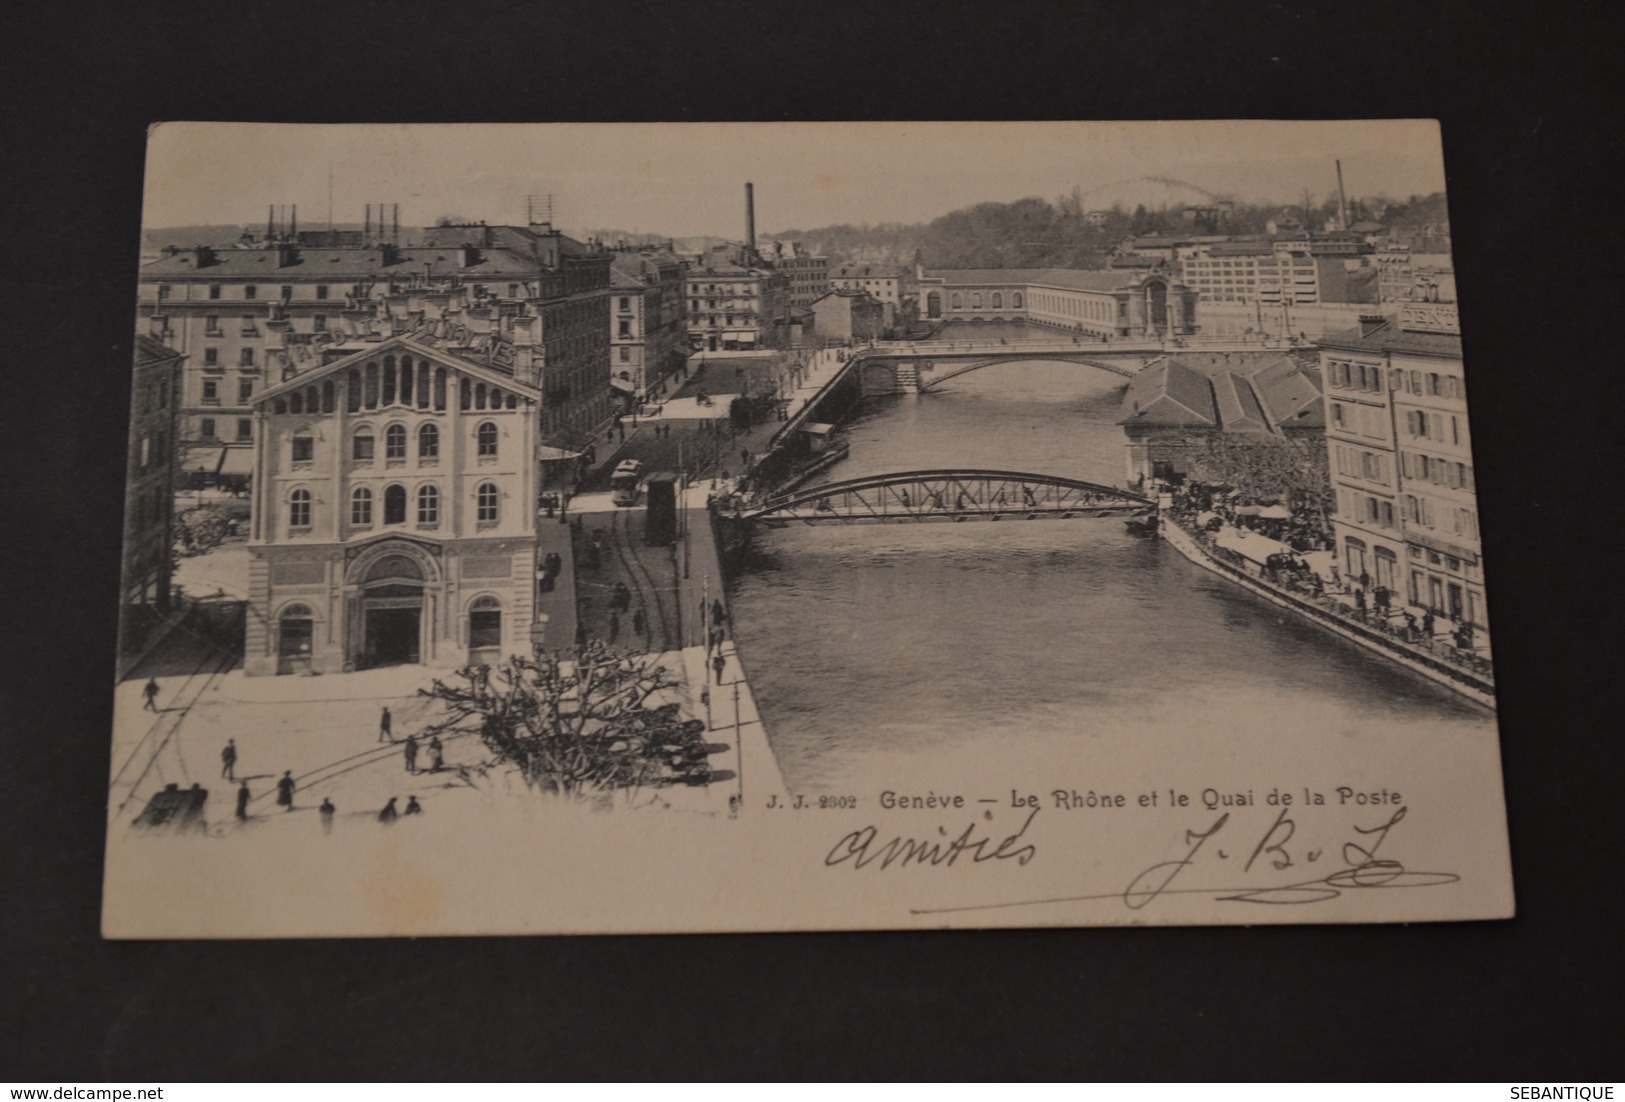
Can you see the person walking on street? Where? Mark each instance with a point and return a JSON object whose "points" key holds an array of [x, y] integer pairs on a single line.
{"points": [[614, 626], [389, 814], [437, 755], [228, 759], [242, 800], [719, 663], [640, 622], [327, 810], [284, 790], [412, 806], [717, 615], [150, 691], [411, 754], [384, 725]]}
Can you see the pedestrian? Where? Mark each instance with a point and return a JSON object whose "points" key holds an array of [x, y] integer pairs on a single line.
{"points": [[1359, 602], [1427, 625], [640, 622], [716, 612], [744, 457], [242, 800], [411, 754], [412, 806], [385, 733], [1365, 580], [327, 810], [150, 691], [228, 759], [389, 814], [284, 790], [614, 626], [719, 663], [437, 755]]}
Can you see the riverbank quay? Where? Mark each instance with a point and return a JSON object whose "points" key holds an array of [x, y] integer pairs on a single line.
{"points": [[1472, 678], [732, 704]]}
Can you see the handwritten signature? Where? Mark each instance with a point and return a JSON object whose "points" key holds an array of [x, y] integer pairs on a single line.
{"points": [[1362, 869], [861, 848]]}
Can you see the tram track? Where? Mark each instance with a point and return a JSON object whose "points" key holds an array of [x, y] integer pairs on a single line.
{"points": [[620, 530]]}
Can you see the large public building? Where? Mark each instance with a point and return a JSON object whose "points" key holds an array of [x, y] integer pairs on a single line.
{"points": [[1103, 304], [394, 516]]}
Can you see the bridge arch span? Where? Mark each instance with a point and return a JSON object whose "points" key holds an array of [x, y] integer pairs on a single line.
{"points": [[950, 495], [931, 379]]}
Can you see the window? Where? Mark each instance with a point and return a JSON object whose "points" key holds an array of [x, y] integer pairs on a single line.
{"points": [[250, 291], [395, 505], [211, 392], [211, 326], [395, 442], [626, 354], [626, 303], [245, 428], [304, 447], [205, 428], [361, 507], [485, 623], [428, 505], [214, 290], [318, 322], [245, 390], [321, 290], [428, 442], [486, 437], [299, 509], [361, 446], [486, 499], [287, 291], [245, 357]]}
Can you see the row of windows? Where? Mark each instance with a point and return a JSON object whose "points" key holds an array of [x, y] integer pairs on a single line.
{"points": [[211, 391], [207, 429], [1463, 522], [363, 443], [211, 357], [1366, 420], [1365, 509], [487, 504], [1443, 427], [1441, 472], [1356, 463], [1354, 376]]}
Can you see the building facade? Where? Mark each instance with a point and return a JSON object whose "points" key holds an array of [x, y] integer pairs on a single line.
{"points": [[848, 316], [1401, 460], [394, 517], [149, 492], [1103, 304], [878, 283], [649, 334], [735, 308], [246, 318]]}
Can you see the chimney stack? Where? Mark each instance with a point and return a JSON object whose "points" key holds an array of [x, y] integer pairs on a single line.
{"points": [[1370, 323], [270, 221], [366, 232], [1342, 200], [293, 226], [750, 220]]}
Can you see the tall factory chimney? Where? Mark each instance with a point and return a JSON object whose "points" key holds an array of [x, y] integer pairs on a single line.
{"points": [[293, 225], [1342, 200], [366, 232], [270, 220], [750, 220], [395, 223]]}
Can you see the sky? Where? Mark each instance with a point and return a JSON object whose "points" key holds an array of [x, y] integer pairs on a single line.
{"points": [[687, 179]]}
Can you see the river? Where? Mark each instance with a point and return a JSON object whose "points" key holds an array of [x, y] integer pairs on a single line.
{"points": [[935, 649]]}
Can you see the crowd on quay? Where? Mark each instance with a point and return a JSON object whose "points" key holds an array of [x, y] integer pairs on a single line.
{"points": [[1307, 570]]}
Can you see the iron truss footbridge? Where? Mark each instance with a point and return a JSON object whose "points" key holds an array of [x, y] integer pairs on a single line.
{"points": [[948, 495]]}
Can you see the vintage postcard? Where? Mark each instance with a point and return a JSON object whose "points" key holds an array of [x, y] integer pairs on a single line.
{"points": [[703, 527]]}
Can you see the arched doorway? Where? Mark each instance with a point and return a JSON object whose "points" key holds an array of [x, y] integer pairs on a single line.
{"points": [[295, 634], [392, 612], [933, 305]]}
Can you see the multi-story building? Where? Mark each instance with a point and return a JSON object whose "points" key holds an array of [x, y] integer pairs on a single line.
{"points": [[808, 274], [247, 317], [149, 491], [394, 517], [1104, 304], [732, 307], [1289, 269], [1401, 461], [649, 328], [878, 283], [848, 316]]}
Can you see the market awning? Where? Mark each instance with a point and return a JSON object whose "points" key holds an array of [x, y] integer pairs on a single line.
{"points": [[207, 460], [1275, 512], [237, 461], [626, 385], [547, 453], [1250, 545]]}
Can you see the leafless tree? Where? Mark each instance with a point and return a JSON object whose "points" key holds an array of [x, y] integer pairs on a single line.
{"points": [[584, 727]]}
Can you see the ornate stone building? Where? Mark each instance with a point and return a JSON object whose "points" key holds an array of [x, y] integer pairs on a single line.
{"points": [[394, 515]]}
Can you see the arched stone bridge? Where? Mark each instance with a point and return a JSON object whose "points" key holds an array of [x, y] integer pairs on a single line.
{"points": [[948, 495]]}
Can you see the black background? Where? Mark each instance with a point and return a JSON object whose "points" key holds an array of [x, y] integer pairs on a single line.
{"points": [[1532, 149]]}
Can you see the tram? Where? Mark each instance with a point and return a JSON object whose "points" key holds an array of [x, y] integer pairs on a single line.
{"points": [[625, 483]]}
